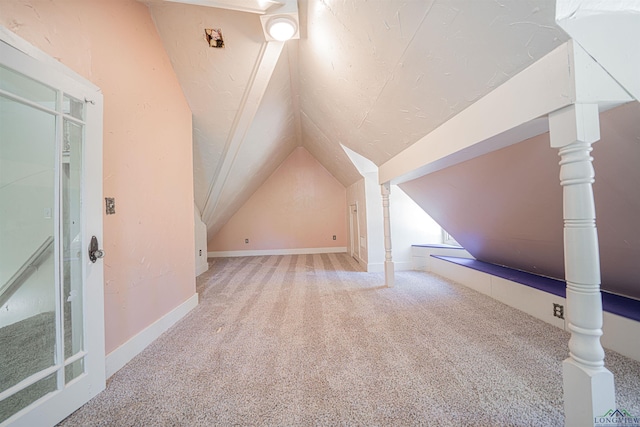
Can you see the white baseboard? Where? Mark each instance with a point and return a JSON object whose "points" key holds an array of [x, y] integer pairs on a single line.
{"points": [[402, 265], [375, 267], [264, 252], [378, 267], [127, 351], [202, 268]]}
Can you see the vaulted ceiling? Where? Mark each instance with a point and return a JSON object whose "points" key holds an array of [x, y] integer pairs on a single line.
{"points": [[375, 76]]}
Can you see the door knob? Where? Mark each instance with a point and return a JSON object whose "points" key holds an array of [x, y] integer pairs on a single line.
{"points": [[94, 252]]}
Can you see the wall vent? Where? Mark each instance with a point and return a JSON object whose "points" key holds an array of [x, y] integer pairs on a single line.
{"points": [[214, 37]]}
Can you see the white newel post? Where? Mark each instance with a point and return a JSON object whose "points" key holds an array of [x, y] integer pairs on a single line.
{"points": [[388, 261], [588, 386]]}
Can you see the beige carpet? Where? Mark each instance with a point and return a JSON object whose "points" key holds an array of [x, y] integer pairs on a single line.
{"points": [[309, 340]]}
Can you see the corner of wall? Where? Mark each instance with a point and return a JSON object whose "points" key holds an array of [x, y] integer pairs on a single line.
{"points": [[200, 234], [122, 355]]}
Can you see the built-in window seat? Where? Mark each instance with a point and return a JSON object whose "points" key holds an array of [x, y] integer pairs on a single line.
{"points": [[439, 245], [622, 306], [536, 295]]}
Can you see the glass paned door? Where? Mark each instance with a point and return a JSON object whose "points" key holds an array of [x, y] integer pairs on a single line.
{"points": [[27, 252], [51, 330]]}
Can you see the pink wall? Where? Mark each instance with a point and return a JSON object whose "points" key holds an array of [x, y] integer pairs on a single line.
{"points": [[148, 168], [300, 205]]}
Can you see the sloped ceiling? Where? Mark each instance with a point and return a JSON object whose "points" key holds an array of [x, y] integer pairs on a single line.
{"points": [[377, 76], [373, 75], [506, 207], [269, 141], [213, 80]]}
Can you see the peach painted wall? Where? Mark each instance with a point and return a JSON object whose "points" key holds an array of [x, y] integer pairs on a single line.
{"points": [[148, 168], [301, 205]]}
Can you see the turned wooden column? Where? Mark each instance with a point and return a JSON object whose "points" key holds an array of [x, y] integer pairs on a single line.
{"points": [[588, 386], [388, 260]]}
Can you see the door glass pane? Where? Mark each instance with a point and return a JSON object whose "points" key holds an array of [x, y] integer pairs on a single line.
{"points": [[71, 237], [27, 218], [28, 88], [26, 396], [73, 107], [73, 370]]}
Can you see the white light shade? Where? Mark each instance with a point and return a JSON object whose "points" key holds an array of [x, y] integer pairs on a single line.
{"points": [[282, 29]]}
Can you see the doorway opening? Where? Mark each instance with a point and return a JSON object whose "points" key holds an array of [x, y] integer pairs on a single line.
{"points": [[354, 232]]}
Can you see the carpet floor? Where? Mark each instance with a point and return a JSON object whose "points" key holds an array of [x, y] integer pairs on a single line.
{"points": [[310, 340]]}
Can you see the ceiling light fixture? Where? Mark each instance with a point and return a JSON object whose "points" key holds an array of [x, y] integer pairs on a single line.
{"points": [[282, 28]]}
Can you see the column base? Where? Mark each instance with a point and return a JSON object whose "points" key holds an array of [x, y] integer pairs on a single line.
{"points": [[389, 277], [588, 393]]}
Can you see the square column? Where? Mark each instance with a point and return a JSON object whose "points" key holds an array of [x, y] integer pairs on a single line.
{"points": [[588, 386]]}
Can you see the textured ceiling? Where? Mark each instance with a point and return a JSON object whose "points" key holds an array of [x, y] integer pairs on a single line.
{"points": [[377, 76], [213, 80], [374, 76]]}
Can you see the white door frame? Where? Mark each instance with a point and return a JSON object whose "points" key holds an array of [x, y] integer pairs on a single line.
{"points": [[354, 225], [20, 55]]}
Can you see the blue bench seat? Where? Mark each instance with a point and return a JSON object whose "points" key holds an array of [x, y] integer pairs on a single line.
{"points": [[612, 303]]}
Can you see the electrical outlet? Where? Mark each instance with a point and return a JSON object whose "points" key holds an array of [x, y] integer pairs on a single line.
{"points": [[334, 237], [246, 240], [558, 310]]}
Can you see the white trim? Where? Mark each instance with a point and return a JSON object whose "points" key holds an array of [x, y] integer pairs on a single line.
{"points": [[354, 249], [361, 262], [260, 8], [378, 267], [202, 268], [127, 351], [547, 85], [10, 38], [21, 56], [540, 88], [375, 267], [263, 252], [402, 265], [251, 100]]}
